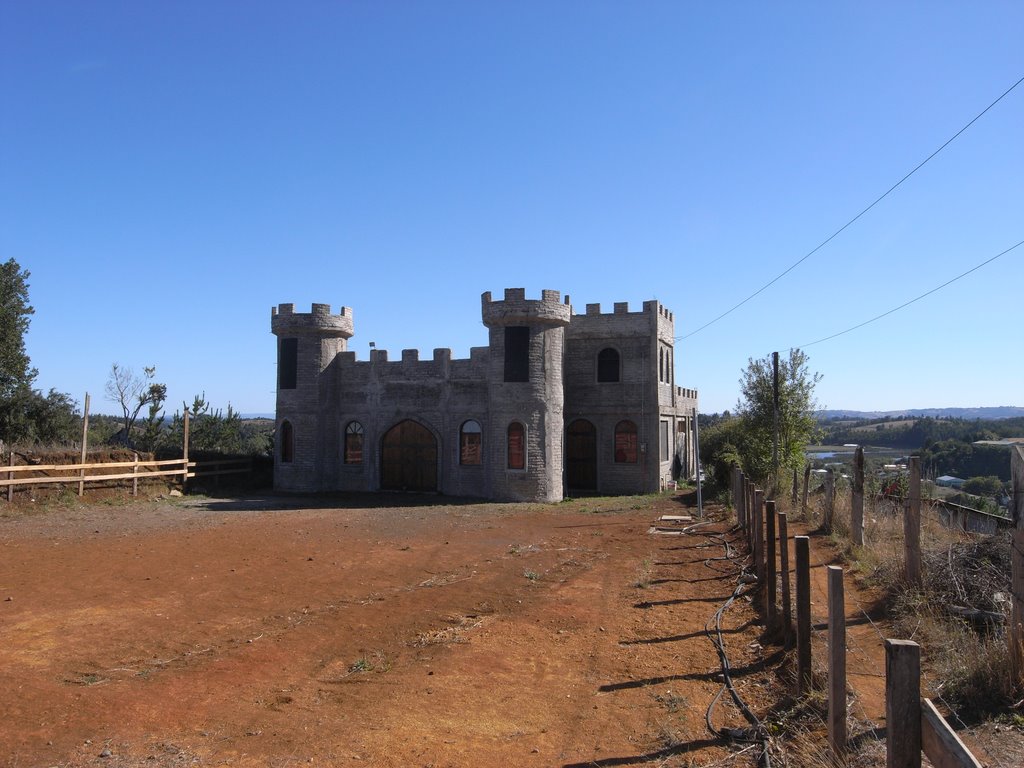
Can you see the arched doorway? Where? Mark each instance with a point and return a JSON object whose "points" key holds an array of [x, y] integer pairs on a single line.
{"points": [[581, 456], [408, 458]]}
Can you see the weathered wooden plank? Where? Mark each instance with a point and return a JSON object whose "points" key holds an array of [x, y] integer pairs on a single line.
{"points": [[940, 742]]}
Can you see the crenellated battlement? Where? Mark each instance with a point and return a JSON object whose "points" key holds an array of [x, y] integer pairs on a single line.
{"points": [[516, 309], [622, 308], [410, 359], [284, 320]]}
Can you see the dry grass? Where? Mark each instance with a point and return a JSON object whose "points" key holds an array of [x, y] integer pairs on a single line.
{"points": [[964, 664]]}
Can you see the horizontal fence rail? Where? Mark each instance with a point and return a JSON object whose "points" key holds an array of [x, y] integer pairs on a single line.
{"points": [[12, 476]]}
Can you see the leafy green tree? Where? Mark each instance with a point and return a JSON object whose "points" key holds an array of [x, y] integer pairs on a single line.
{"points": [[26, 414], [797, 407], [990, 485]]}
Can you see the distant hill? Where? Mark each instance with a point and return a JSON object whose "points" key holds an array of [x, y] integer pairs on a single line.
{"points": [[991, 412]]}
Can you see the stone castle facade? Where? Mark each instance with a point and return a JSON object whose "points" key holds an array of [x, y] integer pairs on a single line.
{"points": [[556, 404]]}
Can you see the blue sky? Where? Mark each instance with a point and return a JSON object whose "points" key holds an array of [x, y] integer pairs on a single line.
{"points": [[171, 171]]}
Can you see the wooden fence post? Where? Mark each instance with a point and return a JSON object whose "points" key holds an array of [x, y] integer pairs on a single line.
{"points": [[1015, 634], [787, 607], [836, 662], [750, 515], [739, 497], [184, 453], [85, 443], [796, 489], [830, 499], [771, 588], [807, 482], [912, 524], [803, 615], [902, 704], [10, 476], [759, 536], [135, 473], [857, 499]]}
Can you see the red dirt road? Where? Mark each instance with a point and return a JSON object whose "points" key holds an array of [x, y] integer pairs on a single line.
{"points": [[328, 632]]}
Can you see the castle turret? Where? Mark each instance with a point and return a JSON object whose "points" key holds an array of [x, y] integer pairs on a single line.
{"points": [[307, 343], [524, 444]]}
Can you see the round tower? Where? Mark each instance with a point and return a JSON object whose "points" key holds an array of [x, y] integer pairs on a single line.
{"points": [[526, 425], [307, 342]]}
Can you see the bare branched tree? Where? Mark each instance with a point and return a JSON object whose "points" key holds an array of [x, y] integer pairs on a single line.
{"points": [[133, 393]]}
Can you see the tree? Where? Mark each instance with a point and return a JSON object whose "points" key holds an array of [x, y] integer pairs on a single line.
{"points": [[25, 413], [797, 406], [15, 371], [133, 393]]}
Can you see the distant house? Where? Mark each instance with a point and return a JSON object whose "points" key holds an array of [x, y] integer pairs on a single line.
{"points": [[948, 481]]}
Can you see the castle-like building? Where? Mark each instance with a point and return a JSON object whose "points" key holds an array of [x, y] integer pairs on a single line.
{"points": [[556, 404]]}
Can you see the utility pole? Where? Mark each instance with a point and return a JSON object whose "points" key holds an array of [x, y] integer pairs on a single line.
{"points": [[696, 450], [775, 421]]}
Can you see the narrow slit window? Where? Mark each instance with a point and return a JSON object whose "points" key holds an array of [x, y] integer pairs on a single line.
{"points": [[608, 365], [517, 353], [288, 364], [287, 442]]}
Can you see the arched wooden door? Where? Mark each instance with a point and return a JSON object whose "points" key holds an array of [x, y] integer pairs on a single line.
{"points": [[581, 456], [408, 458]]}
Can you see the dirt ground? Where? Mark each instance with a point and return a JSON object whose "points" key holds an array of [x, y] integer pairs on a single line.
{"points": [[281, 631], [386, 631]]}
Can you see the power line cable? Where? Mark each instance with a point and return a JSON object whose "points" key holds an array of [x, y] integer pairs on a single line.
{"points": [[908, 303], [835, 234]]}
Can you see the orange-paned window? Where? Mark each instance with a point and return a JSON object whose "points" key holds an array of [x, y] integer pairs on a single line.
{"points": [[625, 443], [516, 446], [354, 443], [470, 443]]}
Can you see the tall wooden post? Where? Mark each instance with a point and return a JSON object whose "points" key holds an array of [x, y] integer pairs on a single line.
{"points": [[803, 615], [912, 524], [759, 535], [787, 607], [1015, 635], [796, 489], [85, 444], [830, 499], [770, 604], [836, 662], [10, 476], [776, 480], [902, 704], [135, 474], [184, 453], [857, 499], [807, 482], [750, 514]]}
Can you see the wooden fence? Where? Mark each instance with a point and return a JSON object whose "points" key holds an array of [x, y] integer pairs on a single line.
{"points": [[913, 724], [122, 472], [32, 475]]}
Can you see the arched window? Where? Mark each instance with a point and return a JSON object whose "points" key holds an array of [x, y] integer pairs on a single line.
{"points": [[625, 443], [287, 444], [470, 443], [354, 443], [516, 446], [608, 365]]}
